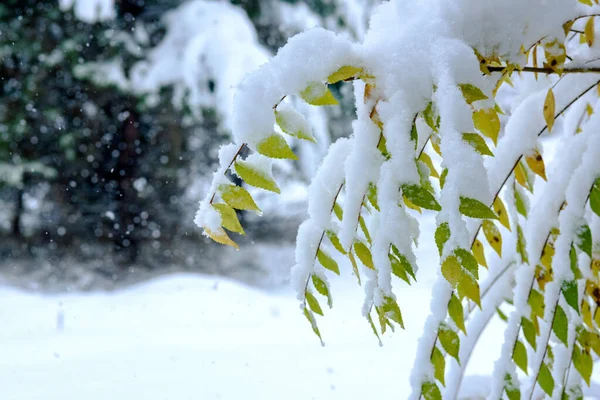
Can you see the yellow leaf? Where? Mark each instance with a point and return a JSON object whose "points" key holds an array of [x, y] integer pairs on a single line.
{"points": [[364, 254], [479, 253], [451, 270], [586, 313], [468, 287], [536, 164], [547, 256], [411, 205], [549, 109], [488, 123], [345, 72], [237, 197], [229, 219], [435, 143], [590, 31], [275, 146], [471, 93], [293, 123], [318, 94], [501, 212], [220, 236], [493, 236], [427, 160], [255, 177]]}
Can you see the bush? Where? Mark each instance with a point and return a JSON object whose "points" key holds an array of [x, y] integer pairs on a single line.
{"points": [[457, 103]]}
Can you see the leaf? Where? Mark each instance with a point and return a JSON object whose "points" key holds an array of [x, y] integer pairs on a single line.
{"points": [[364, 255], [322, 288], [500, 211], [549, 109], [536, 302], [421, 197], [471, 93], [229, 219], [354, 266], [487, 122], [374, 328], [398, 269], [479, 253], [467, 261], [431, 391], [313, 303], [512, 390], [439, 365], [404, 261], [520, 356], [275, 146], [536, 164], [478, 143], [501, 314], [529, 332], [443, 177], [560, 325], [589, 31], [569, 290], [545, 379], [392, 310], [327, 262], [595, 197], [584, 236], [493, 236], [521, 176], [237, 197], [411, 205], [468, 287], [521, 244], [428, 116], [427, 160], [372, 195], [451, 270], [520, 202], [586, 313], [318, 94], [335, 241], [345, 72], [475, 209], [455, 310], [582, 360], [311, 318], [294, 124], [450, 342], [337, 210], [254, 177], [220, 236], [363, 228]]}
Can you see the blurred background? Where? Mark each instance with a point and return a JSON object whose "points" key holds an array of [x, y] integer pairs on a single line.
{"points": [[111, 116]]}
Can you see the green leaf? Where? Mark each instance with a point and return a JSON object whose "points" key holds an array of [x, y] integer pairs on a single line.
{"points": [[583, 363], [294, 124], [255, 177], [229, 219], [529, 332], [354, 266], [493, 236], [275, 146], [584, 236], [345, 72], [364, 254], [451, 270], [322, 288], [372, 195], [520, 356], [468, 287], [326, 261], [425, 158], [398, 269], [335, 241], [311, 318], [337, 210], [363, 228], [487, 122], [374, 328], [442, 234], [428, 116], [450, 341], [443, 177], [475, 209], [545, 379], [313, 303], [595, 197], [431, 391], [392, 310], [471, 93], [521, 244], [512, 390], [573, 262], [318, 94], [439, 365], [501, 314], [569, 290], [455, 309], [237, 197], [404, 261], [561, 325], [536, 302], [467, 261], [478, 143], [421, 197], [520, 203]]}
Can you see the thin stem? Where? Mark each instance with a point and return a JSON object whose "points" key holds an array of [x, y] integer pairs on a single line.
{"points": [[548, 70]]}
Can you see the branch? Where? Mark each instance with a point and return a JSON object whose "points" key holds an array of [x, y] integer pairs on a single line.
{"points": [[548, 70]]}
